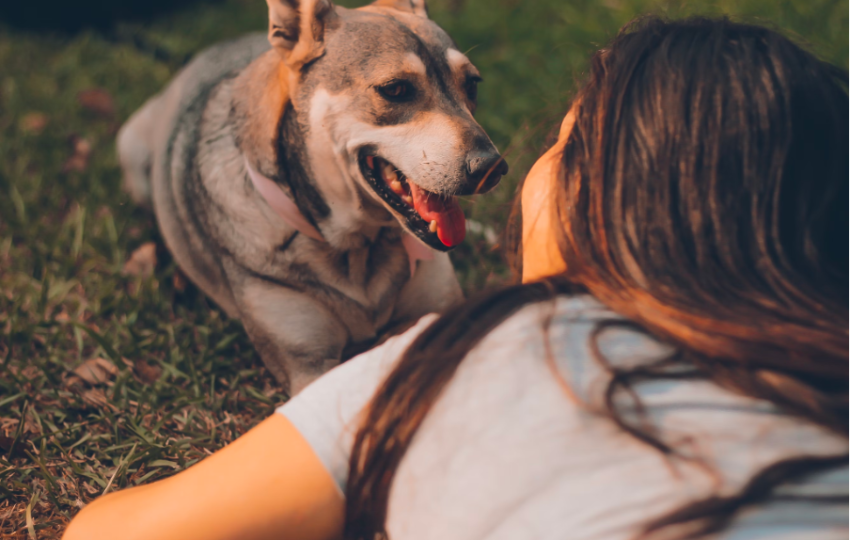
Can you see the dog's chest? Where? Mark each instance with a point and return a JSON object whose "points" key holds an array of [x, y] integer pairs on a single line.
{"points": [[361, 286]]}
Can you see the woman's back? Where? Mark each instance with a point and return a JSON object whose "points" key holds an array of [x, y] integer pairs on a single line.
{"points": [[506, 453]]}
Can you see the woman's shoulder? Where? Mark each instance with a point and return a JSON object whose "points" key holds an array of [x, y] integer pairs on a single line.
{"points": [[326, 411], [573, 333], [562, 309], [564, 314]]}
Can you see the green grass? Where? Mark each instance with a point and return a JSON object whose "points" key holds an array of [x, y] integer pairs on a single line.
{"points": [[179, 380]]}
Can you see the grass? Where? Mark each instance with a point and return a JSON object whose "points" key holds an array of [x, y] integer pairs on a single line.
{"points": [[110, 379]]}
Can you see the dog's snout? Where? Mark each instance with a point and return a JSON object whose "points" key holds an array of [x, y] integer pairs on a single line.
{"points": [[479, 163], [485, 168]]}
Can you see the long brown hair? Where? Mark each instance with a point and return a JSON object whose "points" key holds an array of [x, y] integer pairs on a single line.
{"points": [[704, 198]]}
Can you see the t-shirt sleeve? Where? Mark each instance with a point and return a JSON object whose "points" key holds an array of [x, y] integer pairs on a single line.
{"points": [[326, 413]]}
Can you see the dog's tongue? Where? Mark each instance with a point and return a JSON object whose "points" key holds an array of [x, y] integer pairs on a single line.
{"points": [[451, 223]]}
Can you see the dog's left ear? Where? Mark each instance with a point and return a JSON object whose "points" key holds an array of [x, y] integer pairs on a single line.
{"points": [[297, 29], [417, 7]]}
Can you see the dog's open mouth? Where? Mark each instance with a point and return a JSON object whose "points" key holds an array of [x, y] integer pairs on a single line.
{"points": [[436, 219]]}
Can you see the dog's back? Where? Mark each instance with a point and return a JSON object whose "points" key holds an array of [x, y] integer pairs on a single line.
{"points": [[146, 145], [143, 140]]}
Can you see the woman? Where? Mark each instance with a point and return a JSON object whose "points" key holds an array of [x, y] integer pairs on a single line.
{"points": [[675, 364]]}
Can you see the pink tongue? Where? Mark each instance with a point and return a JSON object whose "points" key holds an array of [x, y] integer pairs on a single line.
{"points": [[451, 223]]}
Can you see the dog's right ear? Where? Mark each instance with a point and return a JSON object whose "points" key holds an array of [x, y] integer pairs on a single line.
{"points": [[297, 29], [417, 7]]}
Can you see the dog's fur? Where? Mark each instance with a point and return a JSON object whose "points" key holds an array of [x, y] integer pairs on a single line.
{"points": [[304, 112]]}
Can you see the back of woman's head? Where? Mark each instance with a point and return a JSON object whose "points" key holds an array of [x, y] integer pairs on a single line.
{"points": [[703, 196]]}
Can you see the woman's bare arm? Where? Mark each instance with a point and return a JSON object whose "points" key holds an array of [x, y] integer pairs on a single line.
{"points": [[267, 484]]}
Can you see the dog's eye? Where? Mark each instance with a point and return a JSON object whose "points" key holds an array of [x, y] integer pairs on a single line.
{"points": [[472, 88], [397, 91]]}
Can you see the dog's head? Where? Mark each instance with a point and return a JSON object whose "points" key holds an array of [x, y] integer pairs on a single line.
{"points": [[385, 101]]}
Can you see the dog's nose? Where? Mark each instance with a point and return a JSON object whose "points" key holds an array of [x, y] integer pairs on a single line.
{"points": [[485, 168]]}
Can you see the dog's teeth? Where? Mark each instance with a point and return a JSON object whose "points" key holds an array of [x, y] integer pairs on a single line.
{"points": [[408, 199], [433, 226], [396, 186], [389, 173]]}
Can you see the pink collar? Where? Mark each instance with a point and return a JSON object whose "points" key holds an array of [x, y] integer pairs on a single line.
{"points": [[292, 216]]}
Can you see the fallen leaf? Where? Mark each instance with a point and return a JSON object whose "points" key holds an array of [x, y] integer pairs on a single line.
{"points": [[73, 382], [97, 101], [96, 370], [95, 397], [81, 152], [142, 262], [147, 372], [33, 122]]}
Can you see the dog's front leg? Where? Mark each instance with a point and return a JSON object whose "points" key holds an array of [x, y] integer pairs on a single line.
{"points": [[297, 337], [433, 289]]}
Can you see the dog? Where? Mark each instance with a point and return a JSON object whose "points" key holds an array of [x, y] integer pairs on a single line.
{"points": [[306, 180]]}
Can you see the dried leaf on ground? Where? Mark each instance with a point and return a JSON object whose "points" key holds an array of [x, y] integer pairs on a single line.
{"points": [[95, 397], [33, 122], [96, 371], [142, 262], [81, 152], [147, 372], [97, 101]]}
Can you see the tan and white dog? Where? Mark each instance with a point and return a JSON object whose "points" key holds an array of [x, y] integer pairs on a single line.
{"points": [[308, 187]]}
